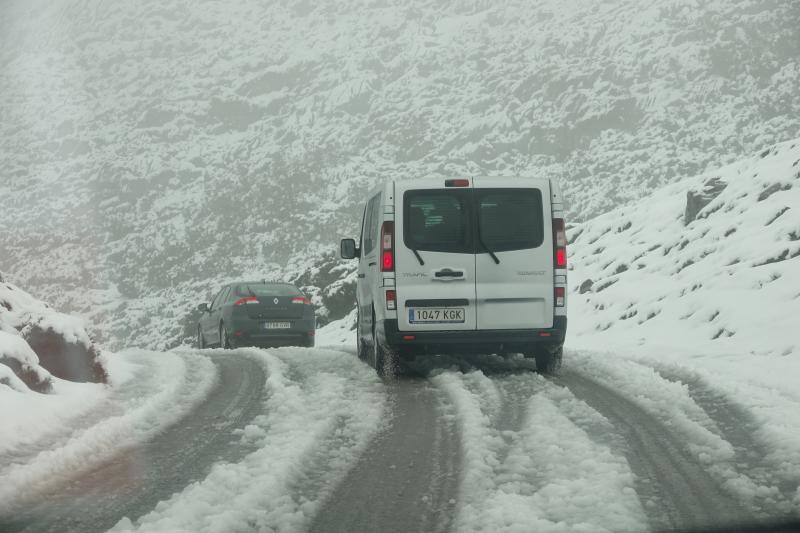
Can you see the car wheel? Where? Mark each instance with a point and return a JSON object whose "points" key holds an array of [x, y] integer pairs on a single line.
{"points": [[224, 341], [548, 360], [309, 342], [201, 342]]}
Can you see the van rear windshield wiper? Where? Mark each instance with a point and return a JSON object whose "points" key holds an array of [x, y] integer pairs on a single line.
{"points": [[419, 257], [480, 239]]}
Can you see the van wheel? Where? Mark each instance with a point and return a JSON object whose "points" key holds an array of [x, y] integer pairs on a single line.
{"points": [[379, 359], [361, 351], [201, 342], [548, 360]]}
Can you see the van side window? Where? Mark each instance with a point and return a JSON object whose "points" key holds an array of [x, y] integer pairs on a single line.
{"points": [[362, 241], [371, 224]]}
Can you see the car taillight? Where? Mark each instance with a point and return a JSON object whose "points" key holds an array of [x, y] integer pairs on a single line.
{"points": [[456, 183], [391, 300], [559, 294], [246, 300], [559, 243], [301, 300], [387, 247]]}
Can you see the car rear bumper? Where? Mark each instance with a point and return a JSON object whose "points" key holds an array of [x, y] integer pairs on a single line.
{"points": [[249, 332], [470, 341]]}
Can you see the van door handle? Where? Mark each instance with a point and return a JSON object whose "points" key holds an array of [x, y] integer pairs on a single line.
{"points": [[362, 275], [373, 264], [449, 273]]}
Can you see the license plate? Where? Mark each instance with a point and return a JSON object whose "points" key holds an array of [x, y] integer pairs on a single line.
{"points": [[436, 315], [278, 325]]}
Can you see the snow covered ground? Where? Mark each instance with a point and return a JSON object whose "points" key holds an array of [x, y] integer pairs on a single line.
{"points": [[54, 436], [321, 410]]}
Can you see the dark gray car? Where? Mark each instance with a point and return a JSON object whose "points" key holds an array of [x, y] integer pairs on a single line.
{"points": [[257, 313]]}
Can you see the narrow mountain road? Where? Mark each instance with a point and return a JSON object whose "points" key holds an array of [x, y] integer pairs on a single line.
{"points": [[311, 440], [137, 479]]}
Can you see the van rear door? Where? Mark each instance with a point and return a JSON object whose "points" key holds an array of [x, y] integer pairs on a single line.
{"points": [[435, 260], [514, 222]]}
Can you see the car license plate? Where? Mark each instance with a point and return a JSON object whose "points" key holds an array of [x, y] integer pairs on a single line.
{"points": [[278, 325], [436, 315]]}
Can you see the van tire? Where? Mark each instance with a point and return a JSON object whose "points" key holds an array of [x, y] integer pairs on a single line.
{"points": [[548, 360], [380, 360], [361, 351]]}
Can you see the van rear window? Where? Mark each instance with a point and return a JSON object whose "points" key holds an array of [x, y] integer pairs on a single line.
{"points": [[437, 221], [510, 219]]}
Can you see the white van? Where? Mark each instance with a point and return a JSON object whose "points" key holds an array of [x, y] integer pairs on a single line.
{"points": [[450, 266]]}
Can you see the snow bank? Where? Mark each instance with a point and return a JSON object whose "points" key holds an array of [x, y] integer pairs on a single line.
{"points": [[317, 421], [20, 366], [60, 341], [339, 334], [55, 436], [542, 473]]}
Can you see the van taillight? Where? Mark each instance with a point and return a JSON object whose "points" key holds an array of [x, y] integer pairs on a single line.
{"points": [[559, 243], [456, 183], [560, 293], [387, 247], [391, 300]]}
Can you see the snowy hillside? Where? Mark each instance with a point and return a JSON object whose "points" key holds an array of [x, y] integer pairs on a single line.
{"points": [[149, 149], [726, 282]]}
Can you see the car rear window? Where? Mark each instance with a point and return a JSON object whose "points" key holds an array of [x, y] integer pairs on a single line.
{"points": [[510, 219], [265, 289], [437, 221]]}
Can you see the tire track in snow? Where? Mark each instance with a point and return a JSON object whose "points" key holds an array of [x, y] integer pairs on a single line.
{"points": [[735, 424], [529, 466], [407, 479], [677, 491], [321, 409], [137, 477]]}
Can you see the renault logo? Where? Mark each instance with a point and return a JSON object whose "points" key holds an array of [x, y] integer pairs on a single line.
{"points": [[275, 301]]}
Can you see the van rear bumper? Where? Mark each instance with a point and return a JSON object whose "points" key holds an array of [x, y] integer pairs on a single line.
{"points": [[470, 341]]}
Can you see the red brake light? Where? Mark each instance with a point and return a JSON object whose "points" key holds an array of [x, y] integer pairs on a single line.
{"points": [[456, 183], [561, 258], [559, 243], [387, 247], [246, 300], [301, 300]]}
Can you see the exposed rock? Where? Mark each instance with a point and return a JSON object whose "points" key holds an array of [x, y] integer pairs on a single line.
{"points": [[586, 286], [56, 343], [63, 358], [697, 200], [18, 356]]}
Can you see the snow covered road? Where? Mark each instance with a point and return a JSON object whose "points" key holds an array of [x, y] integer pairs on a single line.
{"points": [[310, 439]]}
